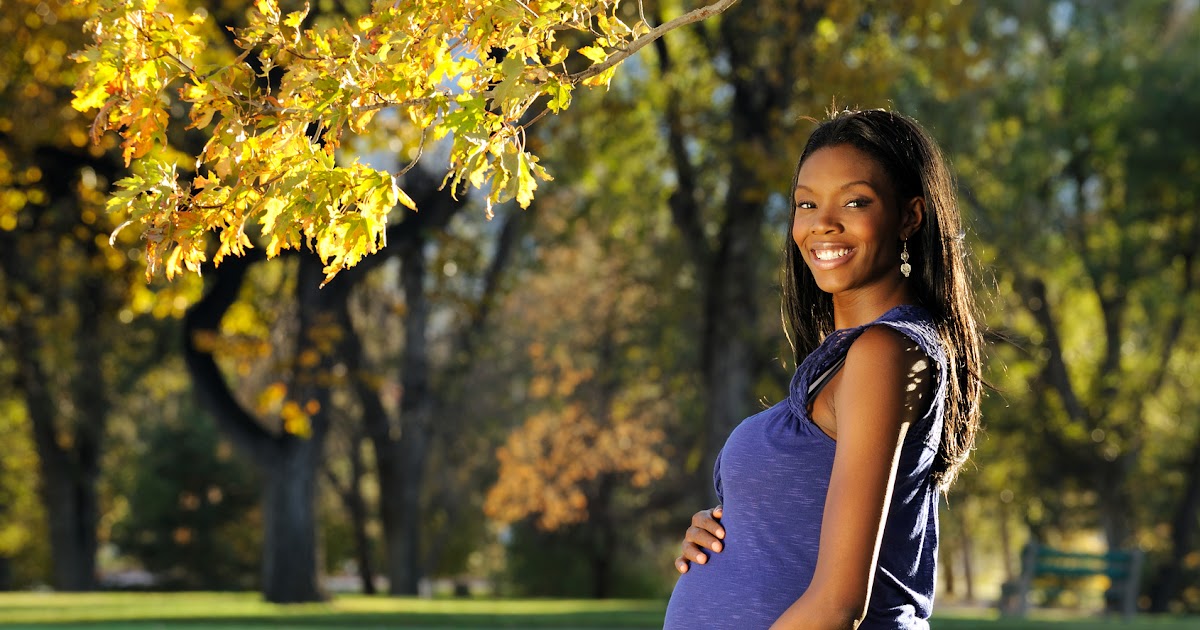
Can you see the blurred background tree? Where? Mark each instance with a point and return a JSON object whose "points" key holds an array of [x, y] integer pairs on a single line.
{"points": [[69, 295], [493, 401]]}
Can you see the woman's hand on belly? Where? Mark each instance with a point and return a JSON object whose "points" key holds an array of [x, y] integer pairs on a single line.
{"points": [[704, 535]]}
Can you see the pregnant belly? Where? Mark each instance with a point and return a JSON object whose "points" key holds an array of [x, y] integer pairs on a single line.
{"points": [[737, 589]]}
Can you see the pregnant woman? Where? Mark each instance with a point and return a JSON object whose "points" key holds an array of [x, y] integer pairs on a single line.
{"points": [[828, 515]]}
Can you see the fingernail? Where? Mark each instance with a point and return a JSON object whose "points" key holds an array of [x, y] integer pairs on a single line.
{"points": [[701, 558], [720, 533], [716, 546]]}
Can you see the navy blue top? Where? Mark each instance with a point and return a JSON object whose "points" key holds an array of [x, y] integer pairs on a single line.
{"points": [[772, 477]]}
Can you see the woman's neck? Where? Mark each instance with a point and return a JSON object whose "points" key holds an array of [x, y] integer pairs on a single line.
{"points": [[855, 308]]}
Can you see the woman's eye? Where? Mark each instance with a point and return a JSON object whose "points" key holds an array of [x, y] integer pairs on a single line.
{"points": [[805, 205], [858, 203]]}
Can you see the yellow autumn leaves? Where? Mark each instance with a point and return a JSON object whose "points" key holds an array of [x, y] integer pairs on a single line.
{"points": [[277, 105]]}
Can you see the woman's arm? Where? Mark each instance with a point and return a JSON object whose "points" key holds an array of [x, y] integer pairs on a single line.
{"points": [[875, 401]]}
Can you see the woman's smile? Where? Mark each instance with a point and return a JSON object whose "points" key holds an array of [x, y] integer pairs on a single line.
{"points": [[830, 256]]}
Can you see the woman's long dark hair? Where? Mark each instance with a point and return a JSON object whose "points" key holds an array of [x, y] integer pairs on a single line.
{"points": [[941, 284]]}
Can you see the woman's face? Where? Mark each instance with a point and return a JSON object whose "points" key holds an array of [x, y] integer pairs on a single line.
{"points": [[847, 222]]}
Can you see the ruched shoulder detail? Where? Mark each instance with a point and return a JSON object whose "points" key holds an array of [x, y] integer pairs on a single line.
{"points": [[913, 322]]}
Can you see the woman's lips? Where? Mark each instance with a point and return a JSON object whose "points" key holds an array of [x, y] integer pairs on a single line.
{"points": [[829, 257]]}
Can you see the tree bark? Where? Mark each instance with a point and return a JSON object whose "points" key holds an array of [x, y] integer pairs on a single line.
{"points": [[70, 508], [289, 569], [416, 413]]}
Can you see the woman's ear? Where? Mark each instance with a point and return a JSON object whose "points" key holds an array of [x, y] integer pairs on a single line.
{"points": [[912, 217]]}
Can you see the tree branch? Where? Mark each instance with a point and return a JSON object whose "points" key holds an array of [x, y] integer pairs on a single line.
{"points": [[695, 15], [204, 317], [1174, 327], [1111, 304], [1055, 370], [468, 334]]}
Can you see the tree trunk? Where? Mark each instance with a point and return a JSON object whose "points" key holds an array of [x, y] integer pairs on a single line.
{"points": [[71, 510], [68, 436], [289, 569], [288, 462], [964, 543], [727, 358], [416, 410], [290, 561], [356, 506], [949, 585], [1116, 504], [68, 477], [6, 576], [728, 266], [1169, 583], [401, 465], [91, 392], [731, 301], [405, 566], [606, 540], [375, 430], [401, 462]]}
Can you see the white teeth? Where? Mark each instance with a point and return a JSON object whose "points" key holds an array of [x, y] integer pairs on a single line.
{"points": [[830, 254]]}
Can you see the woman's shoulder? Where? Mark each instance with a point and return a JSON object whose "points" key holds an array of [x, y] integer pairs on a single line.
{"points": [[914, 323], [886, 350], [902, 345], [892, 371]]}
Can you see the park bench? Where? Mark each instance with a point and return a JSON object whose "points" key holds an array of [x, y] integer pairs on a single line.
{"points": [[1041, 564]]}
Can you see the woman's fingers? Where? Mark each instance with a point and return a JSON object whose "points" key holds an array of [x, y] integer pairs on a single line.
{"points": [[707, 520], [703, 538], [693, 553], [705, 534]]}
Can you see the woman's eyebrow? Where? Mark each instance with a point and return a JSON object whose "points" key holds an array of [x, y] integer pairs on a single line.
{"points": [[857, 182]]}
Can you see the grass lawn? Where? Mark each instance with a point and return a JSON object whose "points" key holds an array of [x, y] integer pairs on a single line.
{"points": [[194, 611]]}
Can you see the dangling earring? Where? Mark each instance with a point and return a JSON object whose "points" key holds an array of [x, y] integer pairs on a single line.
{"points": [[905, 268]]}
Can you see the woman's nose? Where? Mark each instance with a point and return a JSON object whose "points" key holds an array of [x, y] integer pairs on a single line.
{"points": [[825, 222]]}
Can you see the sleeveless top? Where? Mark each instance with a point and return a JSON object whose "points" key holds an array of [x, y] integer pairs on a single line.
{"points": [[772, 476]]}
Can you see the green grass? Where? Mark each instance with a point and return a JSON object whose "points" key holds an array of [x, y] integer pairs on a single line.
{"points": [[247, 610], [194, 611]]}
